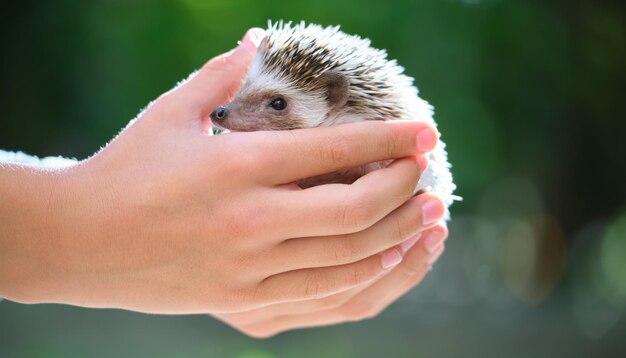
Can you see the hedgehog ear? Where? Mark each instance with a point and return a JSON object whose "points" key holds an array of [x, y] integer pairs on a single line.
{"points": [[337, 89]]}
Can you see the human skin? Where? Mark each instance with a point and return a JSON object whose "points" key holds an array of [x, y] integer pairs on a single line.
{"points": [[167, 219], [361, 302]]}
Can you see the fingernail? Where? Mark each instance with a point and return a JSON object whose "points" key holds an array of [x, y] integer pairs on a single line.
{"points": [[423, 163], [391, 258], [433, 239], [408, 244], [432, 210], [426, 139], [435, 255]]}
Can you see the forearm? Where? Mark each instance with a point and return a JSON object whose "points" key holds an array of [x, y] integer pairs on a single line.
{"points": [[30, 212]]}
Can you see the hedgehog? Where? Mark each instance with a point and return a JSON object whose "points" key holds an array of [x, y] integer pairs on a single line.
{"points": [[307, 76]]}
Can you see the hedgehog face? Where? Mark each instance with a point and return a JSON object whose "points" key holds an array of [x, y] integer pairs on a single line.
{"points": [[262, 104], [269, 101]]}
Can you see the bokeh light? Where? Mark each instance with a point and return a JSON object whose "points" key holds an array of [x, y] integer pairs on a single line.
{"points": [[596, 301], [613, 258]]}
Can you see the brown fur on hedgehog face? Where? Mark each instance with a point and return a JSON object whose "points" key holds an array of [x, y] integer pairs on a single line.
{"points": [[270, 103], [254, 112]]}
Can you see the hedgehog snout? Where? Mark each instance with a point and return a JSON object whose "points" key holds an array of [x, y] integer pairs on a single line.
{"points": [[220, 113]]}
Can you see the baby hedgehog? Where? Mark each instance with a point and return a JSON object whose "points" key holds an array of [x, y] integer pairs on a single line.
{"points": [[310, 76]]}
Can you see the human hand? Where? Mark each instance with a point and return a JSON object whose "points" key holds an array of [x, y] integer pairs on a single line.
{"points": [[167, 219], [361, 302]]}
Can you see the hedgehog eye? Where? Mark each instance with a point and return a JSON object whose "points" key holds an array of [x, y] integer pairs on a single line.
{"points": [[278, 103]]}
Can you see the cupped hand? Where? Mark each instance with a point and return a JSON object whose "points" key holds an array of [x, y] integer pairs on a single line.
{"points": [[168, 219], [364, 301]]}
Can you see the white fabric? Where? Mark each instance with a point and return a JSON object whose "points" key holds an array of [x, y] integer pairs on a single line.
{"points": [[22, 158]]}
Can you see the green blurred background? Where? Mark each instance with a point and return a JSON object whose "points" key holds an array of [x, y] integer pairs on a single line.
{"points": [[529, 95]]}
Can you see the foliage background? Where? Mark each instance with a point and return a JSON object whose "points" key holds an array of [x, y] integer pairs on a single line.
{"points": [[529, 96]]}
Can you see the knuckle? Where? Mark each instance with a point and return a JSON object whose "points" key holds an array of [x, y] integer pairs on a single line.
{"points": [[358, 212], [335, 153], [401, 229], [314, 286], [345, 217], [360, 274], [345, 252], [364, 215], [391, 145], [404, 222], [390, 142]]}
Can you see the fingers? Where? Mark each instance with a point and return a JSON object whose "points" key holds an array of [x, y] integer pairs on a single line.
{"points": [[286, 156], [316, 283], [367, 303], [416, 264], [219, 79], [270, 312], [339, 208], [408, 220], [333, 301]]}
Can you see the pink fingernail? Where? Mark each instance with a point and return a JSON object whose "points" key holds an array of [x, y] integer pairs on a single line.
{"points": [[391, 258], [426, 140], [408, 244], [432, 210], [434, 238]]}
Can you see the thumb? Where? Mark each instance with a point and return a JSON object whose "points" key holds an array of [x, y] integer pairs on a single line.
{"points": [[218, 80]]}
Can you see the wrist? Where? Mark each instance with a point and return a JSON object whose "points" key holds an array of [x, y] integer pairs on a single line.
{"points": [[32, 213]]}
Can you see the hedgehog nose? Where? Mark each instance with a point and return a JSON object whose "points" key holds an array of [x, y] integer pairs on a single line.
{"points": [[220, 113]]}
